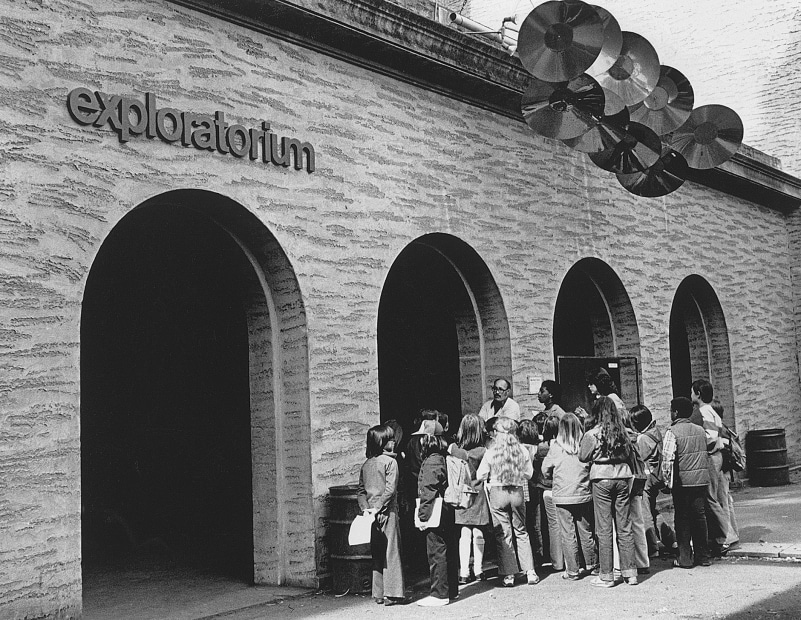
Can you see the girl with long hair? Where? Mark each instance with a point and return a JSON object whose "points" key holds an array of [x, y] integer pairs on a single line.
{"points": [[506, 467], [572, 498], [606, 447], [377, 494], [472, 521]]}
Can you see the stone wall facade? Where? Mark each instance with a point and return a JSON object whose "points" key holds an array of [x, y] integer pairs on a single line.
{"points": [[394, 162]]}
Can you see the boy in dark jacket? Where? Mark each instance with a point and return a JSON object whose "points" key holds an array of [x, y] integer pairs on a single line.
{"points": [[685, 471]]}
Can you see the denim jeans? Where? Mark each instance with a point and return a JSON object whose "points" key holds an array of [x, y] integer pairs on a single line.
{"points": [[577, 522], [442, 547], [689, 505], [639, 508], [555, 550], [717, 502], [611, 500], [509, 523]]}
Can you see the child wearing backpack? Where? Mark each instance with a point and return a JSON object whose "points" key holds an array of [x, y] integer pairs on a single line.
{"points": [[377, 494], [471, 521], [729, 464]]}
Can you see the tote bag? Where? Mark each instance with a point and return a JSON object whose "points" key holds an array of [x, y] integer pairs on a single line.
{"points": [[361, 529]]}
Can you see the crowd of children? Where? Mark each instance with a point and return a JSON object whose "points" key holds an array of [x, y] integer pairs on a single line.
{"points": [[573, 493]]}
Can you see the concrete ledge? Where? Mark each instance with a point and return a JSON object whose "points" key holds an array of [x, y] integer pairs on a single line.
{"points": [[765, 550]]}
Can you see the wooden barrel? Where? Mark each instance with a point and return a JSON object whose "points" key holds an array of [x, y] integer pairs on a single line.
{"points": [[766, 457], [351, 566]]}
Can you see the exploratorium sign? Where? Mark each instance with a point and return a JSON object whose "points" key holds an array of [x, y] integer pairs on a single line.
{"points": [[132, 117]]}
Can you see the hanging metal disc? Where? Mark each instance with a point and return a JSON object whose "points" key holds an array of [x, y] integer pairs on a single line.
{"points": [[664, 177], [613, 42], [635, 72], [638, 150], [710, 137], [668, 106], [559, 40], [613, 104], [562, 110], [604, 134]]}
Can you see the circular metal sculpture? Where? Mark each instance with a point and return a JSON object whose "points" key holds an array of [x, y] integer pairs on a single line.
{"points": [[604, 134], [613, 42], [638, 149], [558, 41], [562, 110], [710, 137], [635, 72], [665, 176], [668, 106]]}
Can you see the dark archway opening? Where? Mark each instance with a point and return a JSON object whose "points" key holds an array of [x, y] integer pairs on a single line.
{"points": [[418, 344], [578, 302], [699, 343], [595, 327], [680, 369], [165, 412]]}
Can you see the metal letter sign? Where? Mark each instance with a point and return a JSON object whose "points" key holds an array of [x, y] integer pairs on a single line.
{"points": [[132, 117]]}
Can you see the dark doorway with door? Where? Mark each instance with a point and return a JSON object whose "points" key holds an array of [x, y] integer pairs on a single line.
{"points": [[595, 327]]}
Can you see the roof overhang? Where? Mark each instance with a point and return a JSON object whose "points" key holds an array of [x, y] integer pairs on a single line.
{"points": [[391, 40]]}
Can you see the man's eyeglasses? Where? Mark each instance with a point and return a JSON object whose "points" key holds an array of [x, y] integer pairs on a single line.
{"points": [[495, 388]]}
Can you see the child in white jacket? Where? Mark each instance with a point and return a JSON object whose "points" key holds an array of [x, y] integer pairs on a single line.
{"points": [[573, 499]]}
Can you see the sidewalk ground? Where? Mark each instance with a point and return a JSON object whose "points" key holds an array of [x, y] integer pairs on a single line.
{"points": [[760, 579]]}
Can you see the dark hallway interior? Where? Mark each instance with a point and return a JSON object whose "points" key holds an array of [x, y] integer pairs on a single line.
{"points": [[165, 413]]}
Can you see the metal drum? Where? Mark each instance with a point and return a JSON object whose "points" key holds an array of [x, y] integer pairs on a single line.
{"points": [[351, 566], [766, 457]]}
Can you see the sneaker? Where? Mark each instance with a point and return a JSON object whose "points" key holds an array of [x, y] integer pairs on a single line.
{"points": [[570, 576], [601, 583], [432, 601], [532, 577], [632, 581], [378, 600], [509, 581], [390, 601]]}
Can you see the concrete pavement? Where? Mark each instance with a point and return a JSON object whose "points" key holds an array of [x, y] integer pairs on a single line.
{"points": [[759, 579]]}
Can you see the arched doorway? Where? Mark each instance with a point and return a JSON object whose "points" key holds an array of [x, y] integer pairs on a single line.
{"points": [[442, 331], [699, 343], [192, 400], [595, 326]]}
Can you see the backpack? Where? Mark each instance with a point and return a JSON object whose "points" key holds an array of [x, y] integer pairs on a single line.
{"points": [[733, 452], [639, 471], [654, 456], [460, 492], [653, 460]]}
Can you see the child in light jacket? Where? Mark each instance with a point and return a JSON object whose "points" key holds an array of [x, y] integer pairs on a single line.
{"points": [[377, 494], [572, 498]]}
